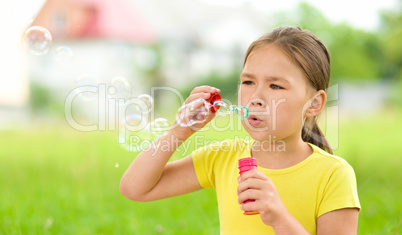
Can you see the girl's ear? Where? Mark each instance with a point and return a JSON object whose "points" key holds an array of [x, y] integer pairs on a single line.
{"points": [[317, 103]]}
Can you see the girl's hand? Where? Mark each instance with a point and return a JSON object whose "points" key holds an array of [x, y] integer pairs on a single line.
{"points": [[255, 185], [203, 92]]}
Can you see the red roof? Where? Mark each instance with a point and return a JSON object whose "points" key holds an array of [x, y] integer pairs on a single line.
{"points": [[110, 19]]}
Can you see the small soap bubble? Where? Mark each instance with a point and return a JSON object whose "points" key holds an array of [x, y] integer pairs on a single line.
{"points": [[64, 55], [134, 122], [86, 87], [116, 165], [224, 108], [136, 141], [134, 133], [159, 127], [122, 88], [149, 102], [37, 40]]}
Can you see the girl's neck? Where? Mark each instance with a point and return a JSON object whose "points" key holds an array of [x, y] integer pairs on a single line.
{"points": [[280, 154]]}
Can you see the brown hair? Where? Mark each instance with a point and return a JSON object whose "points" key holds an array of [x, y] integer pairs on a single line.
{"points": [[312, 56]]}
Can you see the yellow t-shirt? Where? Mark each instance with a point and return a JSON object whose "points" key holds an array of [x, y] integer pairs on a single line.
{"points": [[319, 184]]}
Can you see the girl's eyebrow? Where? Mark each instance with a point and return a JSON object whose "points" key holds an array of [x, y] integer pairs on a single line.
{"points": [[276, 79], [247, 75], [269, 78]]}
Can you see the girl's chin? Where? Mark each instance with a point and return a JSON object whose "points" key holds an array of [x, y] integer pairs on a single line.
{"points": [[262, 137]]}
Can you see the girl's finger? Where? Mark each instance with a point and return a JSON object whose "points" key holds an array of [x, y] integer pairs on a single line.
{"points": [[251, 184], [249, 194], [195, 96], [206, 89], [251, 206], [254, 173]]}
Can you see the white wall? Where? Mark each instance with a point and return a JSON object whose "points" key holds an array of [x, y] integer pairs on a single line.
{"points": [[13, 74]]}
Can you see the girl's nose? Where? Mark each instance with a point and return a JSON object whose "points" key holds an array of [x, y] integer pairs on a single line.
{"points": [[257, 102]]}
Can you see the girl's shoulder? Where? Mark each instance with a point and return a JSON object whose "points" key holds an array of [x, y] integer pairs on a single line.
{"points": [[322, 155]]}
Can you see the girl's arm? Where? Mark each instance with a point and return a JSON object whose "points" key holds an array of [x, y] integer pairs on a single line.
{"points": [[342, 221], [150, 176]]}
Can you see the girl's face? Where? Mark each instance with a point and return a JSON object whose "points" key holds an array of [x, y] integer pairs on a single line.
{"points": [[276, 93]]}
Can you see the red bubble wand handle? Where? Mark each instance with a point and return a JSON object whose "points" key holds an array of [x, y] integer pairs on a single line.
{"points": [[214, 107]]}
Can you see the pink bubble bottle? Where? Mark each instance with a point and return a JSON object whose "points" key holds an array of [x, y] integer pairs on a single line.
{"points": [[246, 164]]}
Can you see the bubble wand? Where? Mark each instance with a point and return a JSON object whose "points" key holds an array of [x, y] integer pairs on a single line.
{"points": [[198, 110]]}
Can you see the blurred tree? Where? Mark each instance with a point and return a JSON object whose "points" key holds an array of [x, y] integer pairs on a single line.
{"points": [[42, 101], [40, 98], [355, 54], [391, 37]]}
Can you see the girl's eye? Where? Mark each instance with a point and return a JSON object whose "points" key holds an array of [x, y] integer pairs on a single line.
{"points": [[276, 87], [248, 82]]}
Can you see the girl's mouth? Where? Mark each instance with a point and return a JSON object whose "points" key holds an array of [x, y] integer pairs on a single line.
{"points": [[254, 120]]}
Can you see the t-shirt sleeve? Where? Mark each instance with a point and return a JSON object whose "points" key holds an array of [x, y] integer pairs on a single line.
{"points": [[204, 161], [340, 191]]}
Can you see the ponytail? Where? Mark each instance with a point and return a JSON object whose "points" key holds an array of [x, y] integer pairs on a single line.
{"points": [[312, 133]]}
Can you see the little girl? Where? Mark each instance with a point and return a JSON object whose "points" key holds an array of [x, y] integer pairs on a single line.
{"points": [[298, 188]]}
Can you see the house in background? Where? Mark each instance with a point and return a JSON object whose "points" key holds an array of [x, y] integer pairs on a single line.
{"points": [[181, 40], [94, 19], [103, 37], [184, 40], [112, 38]]}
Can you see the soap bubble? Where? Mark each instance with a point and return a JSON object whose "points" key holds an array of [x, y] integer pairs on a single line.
{"points": [[122, 88], [86, 85], [224, 108], [37, 40], [138, 140], [134, 133], [134, 122], [159, 127], [116, 165], [134, 106], [149, 102], [64, 55], [194, 112]]}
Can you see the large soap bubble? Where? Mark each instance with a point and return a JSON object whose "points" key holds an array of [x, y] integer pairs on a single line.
{"points": [[37, 40]]}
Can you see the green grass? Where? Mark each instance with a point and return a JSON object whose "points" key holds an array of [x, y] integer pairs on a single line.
{"points": [[373, 147], [56, 180]]}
